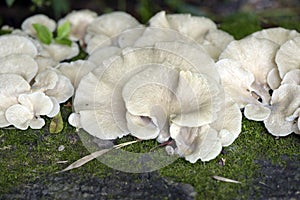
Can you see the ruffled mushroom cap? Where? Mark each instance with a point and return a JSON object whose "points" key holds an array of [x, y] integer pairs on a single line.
{"points": [[199, 29], [292, 77], [23, 65], [248, 52], [287, 57], [273, 79], [11, 86], [101, 54], [60, 52], [285, 110], [76, 70], [96, 42], [102, 109], [28, 111], [278, 35], [37, 19], [79, 20], [15, 44], [54, 84]]}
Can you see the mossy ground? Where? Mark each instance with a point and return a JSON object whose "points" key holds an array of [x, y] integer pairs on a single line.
{"points": [[27, 155]]}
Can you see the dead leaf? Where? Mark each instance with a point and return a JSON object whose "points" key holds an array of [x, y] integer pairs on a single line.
{"points": [[56, 124], [220, 178], [94, 155]]}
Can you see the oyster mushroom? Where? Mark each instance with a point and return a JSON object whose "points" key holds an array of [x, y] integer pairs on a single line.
{"points": [[287, 57], [15, 44], [59, 52], [11, 86], [285, 110], [21, 64], [248, 52], [37, 19], [199, 29], [76, 70], [278, 35], [79, 20], [28, 111]]}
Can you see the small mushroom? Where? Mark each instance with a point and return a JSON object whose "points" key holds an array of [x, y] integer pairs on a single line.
{"points": [[248, 52], [59, 52], [76, 70], [285, 104], [278, 35], [21, 64], [28, 112], [15, 44], [11, 86], [37, 19], [79, 20], [287, 57], [54, 84]]}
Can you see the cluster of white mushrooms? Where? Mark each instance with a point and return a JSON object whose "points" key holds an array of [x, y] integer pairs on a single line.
{"points": [[179, 78]]}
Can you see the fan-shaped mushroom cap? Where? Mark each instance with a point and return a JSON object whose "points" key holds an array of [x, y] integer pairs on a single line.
{"points": [[54, 84], [256, 112], [28, 111], [37, 19], [228, 123], [287, 57], [45, 62], [60, 52], [273, 79], [199, 29], [104, 53], [23, 65], [292, 77], [101, 107], [79, 20], [278, 35], [97, 42], [15, 44], [112, 24], [196, 143], [285, 106], [11, 86], [76, 70], [256, 56]]}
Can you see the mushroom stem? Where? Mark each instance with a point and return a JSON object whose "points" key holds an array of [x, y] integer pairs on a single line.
{"points": [[261, 91]]}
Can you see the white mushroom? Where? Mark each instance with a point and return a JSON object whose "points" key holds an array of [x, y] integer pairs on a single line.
{"points": [[54, 84], [101, 54], [37, 19], [278, 35], [11, 86], [256, 56], [15, 44], [292, 77], [287, 57], [79, 20], [76, 70], [285, 108], [273, 79], [21, 64], [59, 52], [28, 112]]}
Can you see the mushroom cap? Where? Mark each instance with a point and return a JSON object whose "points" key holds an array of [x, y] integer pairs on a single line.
{"points": [[76, 70], [21, 64], [256, 112], [278, 35], [60, 52], [273, 79], [15, 44], [190, 26], [54, 84], [236, 81], [45, 62], [11, 86], [287, 57], [97, 42], [112, 24], [101, 107], [104, 53], [285, 102], [292, 77], [229, 122], [37, 19], [27, 113], [196, 143], [79, 20]]}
